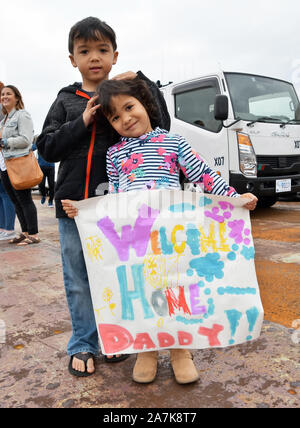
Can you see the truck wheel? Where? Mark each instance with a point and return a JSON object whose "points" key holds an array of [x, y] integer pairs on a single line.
{"points": [[266, 202]]}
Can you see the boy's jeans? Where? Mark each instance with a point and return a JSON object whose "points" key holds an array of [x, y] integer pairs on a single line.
{"points": [[84, 337]]}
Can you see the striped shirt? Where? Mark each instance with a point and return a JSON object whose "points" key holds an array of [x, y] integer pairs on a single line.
{"points": [[153, 161]]}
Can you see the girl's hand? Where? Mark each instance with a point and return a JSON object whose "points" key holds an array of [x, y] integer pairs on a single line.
{"points": [[252, 204], [69, 208], [90, 111], [127, 75]]}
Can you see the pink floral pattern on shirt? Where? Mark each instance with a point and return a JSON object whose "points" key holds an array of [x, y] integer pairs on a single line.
{"points": [[153, 161], [159, 139], [170, 163], [208, 182], [135, 160]]}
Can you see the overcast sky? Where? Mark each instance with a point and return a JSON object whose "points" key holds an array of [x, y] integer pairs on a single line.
{"points": [[167, 40]]}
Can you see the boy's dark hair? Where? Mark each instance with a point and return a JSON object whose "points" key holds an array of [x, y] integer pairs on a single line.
{"points": [[91, 29], [136, 88]]}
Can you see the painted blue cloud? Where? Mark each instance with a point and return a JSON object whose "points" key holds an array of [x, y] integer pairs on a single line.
{"points": [[208, 266]]}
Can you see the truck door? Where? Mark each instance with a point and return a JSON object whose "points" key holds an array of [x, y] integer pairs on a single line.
{"points": [[193, 117]]}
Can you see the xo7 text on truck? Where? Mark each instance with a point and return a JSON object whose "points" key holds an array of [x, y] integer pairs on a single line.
{"points": [[246, 127]]}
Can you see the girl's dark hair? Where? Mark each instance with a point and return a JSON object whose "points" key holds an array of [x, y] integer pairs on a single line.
{"points": [[91, 29], [136, 88], [20, 104]]}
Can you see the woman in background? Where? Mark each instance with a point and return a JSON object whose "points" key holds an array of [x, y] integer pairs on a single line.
{"points": [[16, 133], [7, 210]]}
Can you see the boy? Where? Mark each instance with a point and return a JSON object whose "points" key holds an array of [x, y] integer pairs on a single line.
{"points": [[70, 137]]}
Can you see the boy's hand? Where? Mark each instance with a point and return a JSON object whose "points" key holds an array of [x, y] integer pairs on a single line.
{"points": [[90, 111], [69, 208], [252, 204], [127, 75]]}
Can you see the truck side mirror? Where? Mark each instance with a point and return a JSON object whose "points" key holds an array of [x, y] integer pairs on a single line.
{"points": [[221, 107]]}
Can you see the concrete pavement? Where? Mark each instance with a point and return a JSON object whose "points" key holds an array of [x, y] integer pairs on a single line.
{"points": [[33, 361]]}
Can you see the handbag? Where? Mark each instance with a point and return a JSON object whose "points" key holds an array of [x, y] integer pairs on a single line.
{"points": [[24, 172]]}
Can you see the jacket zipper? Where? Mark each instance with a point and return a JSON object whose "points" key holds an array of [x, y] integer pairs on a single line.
{"points": [[90, 152]]}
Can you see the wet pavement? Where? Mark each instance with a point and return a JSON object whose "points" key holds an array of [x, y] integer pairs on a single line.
{"points": [[260, 374], [276, 233]]}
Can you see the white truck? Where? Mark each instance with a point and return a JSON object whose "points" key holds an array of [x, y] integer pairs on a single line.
{"points": [[247, 128]]}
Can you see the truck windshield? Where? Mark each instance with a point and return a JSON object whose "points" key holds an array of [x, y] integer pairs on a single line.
{"points": [[257, 97]]}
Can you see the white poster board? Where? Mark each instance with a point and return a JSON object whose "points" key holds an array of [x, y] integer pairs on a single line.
{"points": [[170, 269]]}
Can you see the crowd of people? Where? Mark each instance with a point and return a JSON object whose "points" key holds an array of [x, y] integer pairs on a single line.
{"points": [[80, 130]]}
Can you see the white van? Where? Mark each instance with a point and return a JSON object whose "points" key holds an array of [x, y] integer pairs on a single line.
{"points": [[247, 127]]}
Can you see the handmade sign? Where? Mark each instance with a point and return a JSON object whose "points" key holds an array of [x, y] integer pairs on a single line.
{"points": [[170, 269]]}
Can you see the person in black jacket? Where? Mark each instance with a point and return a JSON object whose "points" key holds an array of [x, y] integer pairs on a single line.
{"points": [[70, 136]]}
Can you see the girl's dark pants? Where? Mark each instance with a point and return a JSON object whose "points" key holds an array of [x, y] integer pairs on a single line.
{"points": [[48, 172], [24, 206]]}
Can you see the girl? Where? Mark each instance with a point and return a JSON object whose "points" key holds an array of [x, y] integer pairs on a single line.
{"points": [[147, 157]]}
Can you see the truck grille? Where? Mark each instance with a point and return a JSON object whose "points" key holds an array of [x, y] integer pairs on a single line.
{"points": [[278, 161]]}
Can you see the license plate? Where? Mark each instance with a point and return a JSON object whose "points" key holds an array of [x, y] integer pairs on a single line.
{"points": [[283, 185]]}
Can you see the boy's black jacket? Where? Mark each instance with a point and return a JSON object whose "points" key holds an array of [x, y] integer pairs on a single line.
{"points": [[65, 139]]}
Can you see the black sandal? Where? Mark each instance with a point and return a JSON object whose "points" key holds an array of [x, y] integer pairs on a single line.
{"points": [[17, 239], [115, 359], [83, 357], [28, 241]]}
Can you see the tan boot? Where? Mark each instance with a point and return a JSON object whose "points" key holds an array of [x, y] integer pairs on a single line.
{"points": [[183, 366], [145, 367]]}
